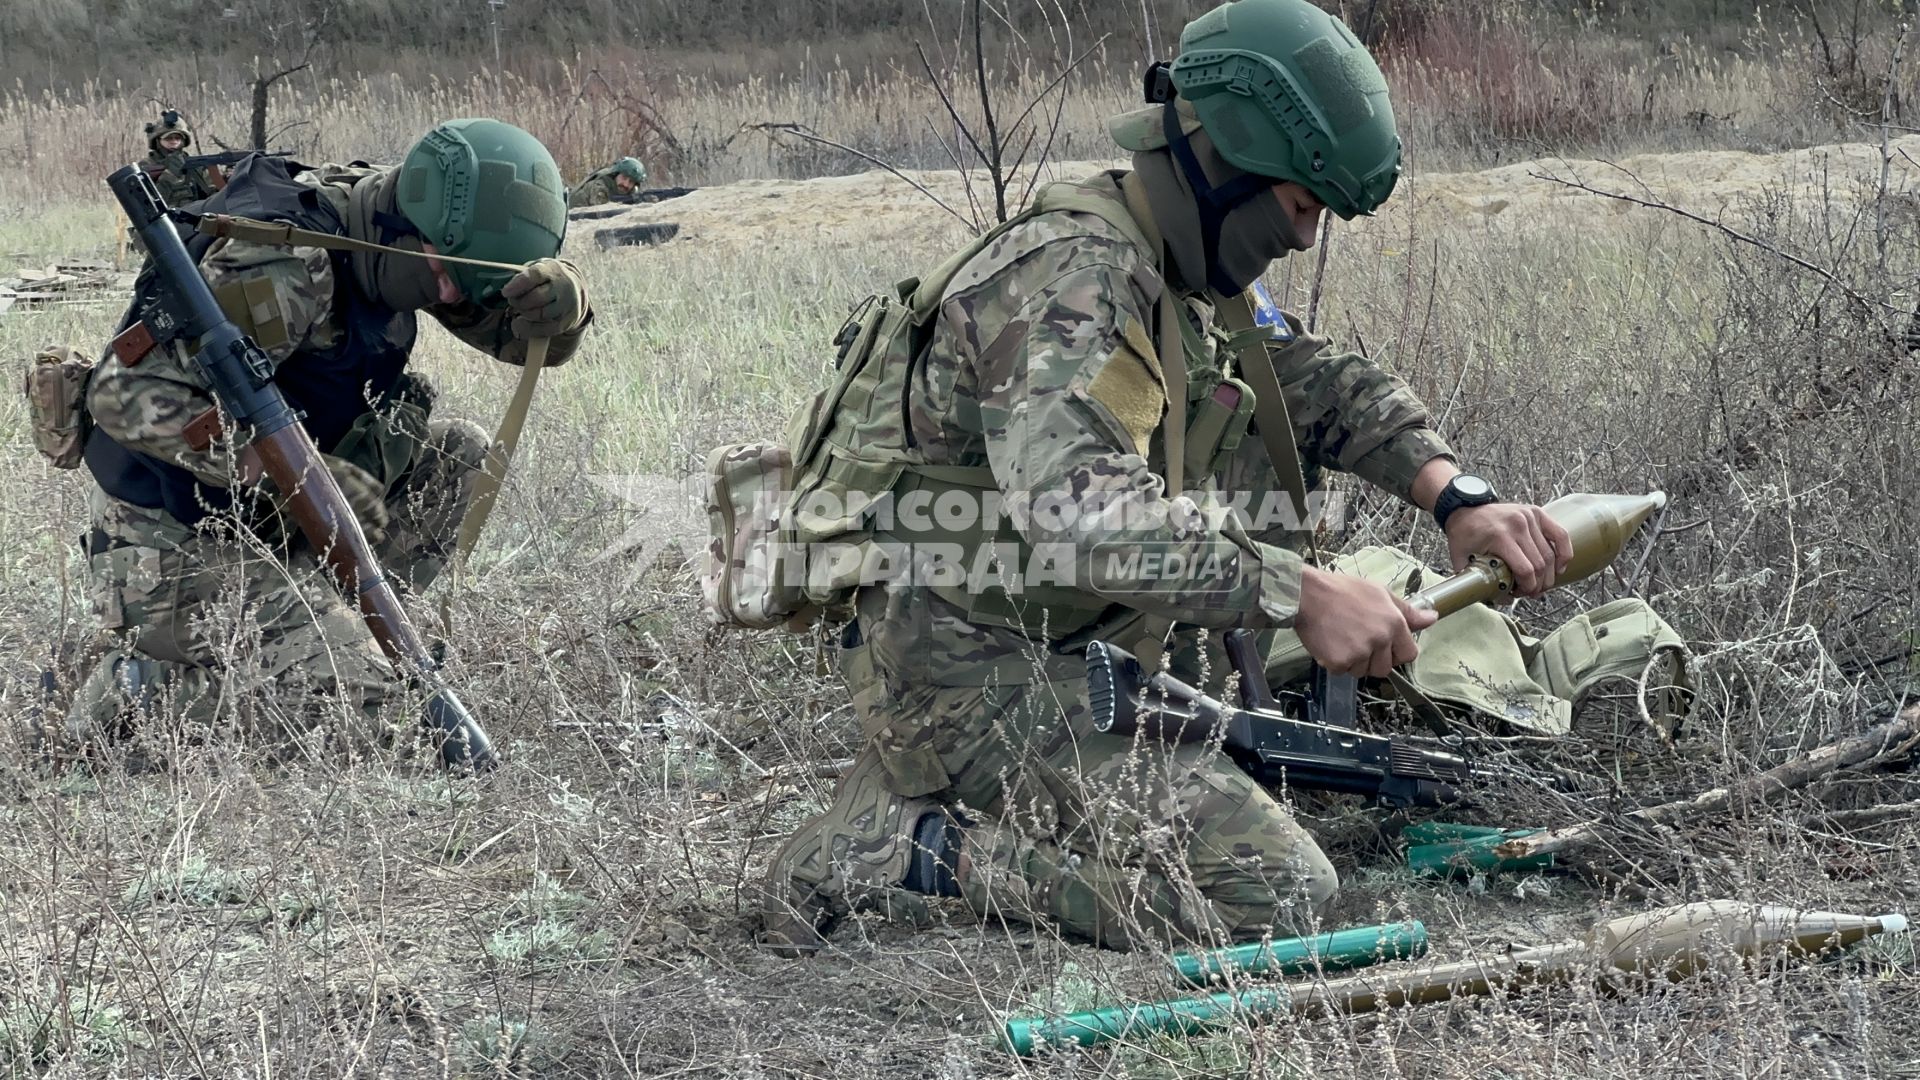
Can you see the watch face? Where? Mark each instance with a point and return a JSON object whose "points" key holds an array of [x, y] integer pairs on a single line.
{"points": [[1469, 486]]}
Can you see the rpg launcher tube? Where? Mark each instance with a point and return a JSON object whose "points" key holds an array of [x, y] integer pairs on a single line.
{"points": [[1024, 1035], [1598, 527], [1335, 951], [1620, 954]]}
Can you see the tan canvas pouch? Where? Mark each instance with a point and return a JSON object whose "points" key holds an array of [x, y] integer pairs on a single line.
{"points": [[56, 390], [1616, 643], [745, 584]]}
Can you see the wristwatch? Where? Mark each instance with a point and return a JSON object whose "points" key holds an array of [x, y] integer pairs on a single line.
{"points": [[1463, 490]]}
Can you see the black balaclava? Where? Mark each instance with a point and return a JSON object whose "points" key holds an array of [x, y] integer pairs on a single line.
{"points": [[401, 282], [1223, 225]]}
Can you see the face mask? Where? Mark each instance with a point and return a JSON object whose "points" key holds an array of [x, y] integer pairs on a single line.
{"points": [[1223, 225], [401, 282]]}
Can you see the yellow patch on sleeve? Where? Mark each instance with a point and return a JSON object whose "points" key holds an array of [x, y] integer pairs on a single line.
{"points": [[1131, 386]]}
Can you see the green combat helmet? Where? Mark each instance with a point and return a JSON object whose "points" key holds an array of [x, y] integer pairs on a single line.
{"points": [[1286, 91], [168, 124], [483, 189], [631, 169]]}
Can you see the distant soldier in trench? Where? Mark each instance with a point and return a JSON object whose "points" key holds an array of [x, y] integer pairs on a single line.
{"points": [[622, 179], [167, 141]]}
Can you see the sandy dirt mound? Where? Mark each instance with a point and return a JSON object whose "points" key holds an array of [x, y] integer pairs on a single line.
{"points": [[849, 209]]}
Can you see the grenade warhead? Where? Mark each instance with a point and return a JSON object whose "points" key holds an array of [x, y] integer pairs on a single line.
{"points": [[1668, 943], [1598, 525]]}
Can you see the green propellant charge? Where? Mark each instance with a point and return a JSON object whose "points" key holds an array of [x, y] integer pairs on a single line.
{"points": [[1443, 849], [1337, 950], [1024, 1035]]}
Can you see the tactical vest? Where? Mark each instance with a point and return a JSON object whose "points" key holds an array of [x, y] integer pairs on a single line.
{"points": [[330, 388], [178, 184], [853, 445]]}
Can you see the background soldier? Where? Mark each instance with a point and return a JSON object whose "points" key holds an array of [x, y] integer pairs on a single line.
{"points": [[621, 179], [167, 142], [1072, 360], [179, 531]]}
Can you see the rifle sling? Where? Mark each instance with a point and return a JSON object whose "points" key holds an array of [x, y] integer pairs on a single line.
{"points": [[486, 488], [1270, 411], [282, 234]]}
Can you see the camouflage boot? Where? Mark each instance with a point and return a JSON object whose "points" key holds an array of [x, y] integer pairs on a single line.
{"points": [[871, 850]]}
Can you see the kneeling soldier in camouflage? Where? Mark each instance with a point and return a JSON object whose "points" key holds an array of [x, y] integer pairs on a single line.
{"points": [[195, 573], [1093, 361]]}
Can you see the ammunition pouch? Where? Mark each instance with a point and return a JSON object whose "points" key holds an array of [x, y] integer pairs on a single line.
{"points": [[1616, 643], [386, 440], [56, 392]]}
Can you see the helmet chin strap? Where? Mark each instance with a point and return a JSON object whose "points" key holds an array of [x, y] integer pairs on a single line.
{"points": [[1214, 203]]}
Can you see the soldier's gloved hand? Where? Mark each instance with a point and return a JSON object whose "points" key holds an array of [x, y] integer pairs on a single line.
{"points": [[1353, 626], [364, 492], [547, 299]]}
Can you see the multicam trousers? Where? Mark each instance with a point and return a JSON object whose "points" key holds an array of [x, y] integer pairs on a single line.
{"points": [[1120, 841], [207, 613]]}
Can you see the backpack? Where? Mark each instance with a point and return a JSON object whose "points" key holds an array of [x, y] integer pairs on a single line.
{"points": [[790, 522]]}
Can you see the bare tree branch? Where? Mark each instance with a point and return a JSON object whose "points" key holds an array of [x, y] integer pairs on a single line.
{"points": [[773, 129], [986, 109], [1866, 303]]}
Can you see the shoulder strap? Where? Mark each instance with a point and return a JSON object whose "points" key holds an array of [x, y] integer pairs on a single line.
{"points": [[924, 293], [927, 291], [1173, 354], [1125, 217], [1269, 406], [283, 234]]}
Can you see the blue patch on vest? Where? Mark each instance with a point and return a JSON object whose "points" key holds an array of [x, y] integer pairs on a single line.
{"points": [[1267, 314]]}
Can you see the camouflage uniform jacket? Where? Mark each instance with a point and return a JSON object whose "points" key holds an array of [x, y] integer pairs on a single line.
{"points": [[289, 300], [597, 188], [1041, 367], [178, 184]]}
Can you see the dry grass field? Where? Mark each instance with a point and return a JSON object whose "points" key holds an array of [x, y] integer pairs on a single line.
{"points": [[224, 903]]}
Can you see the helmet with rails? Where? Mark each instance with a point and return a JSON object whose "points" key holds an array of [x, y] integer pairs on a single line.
{"points": [[169, 123], [483, 189], [1286, 91], [631, 168]]}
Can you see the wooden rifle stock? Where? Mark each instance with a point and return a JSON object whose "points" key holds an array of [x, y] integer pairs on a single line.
{"points": [[327, 520], [316, 504]]}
